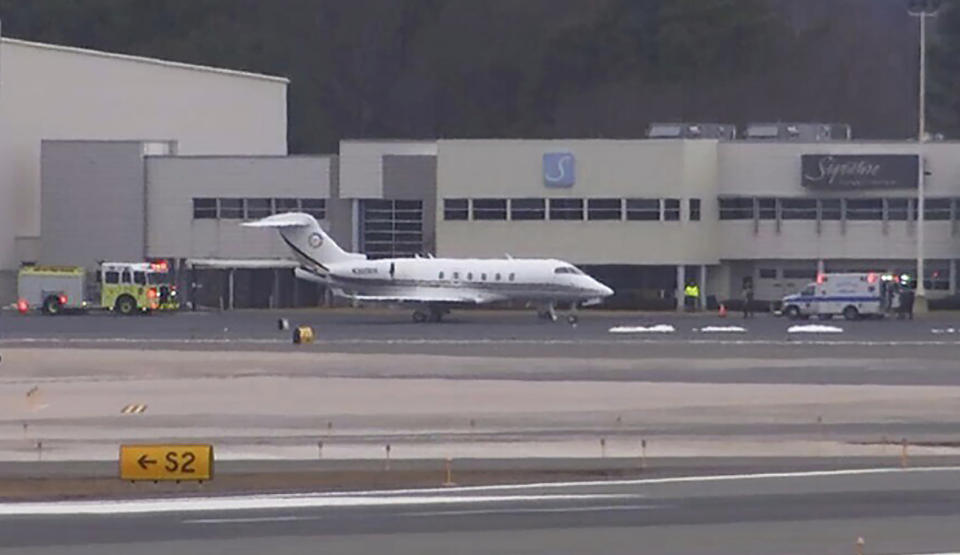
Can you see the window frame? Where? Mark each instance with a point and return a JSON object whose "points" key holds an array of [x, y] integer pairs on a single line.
{"points": [[231, 208], [489, 209], [208, 211], [634, 208], [448, 211], [526, 213], [571, 213], [597, 212]]}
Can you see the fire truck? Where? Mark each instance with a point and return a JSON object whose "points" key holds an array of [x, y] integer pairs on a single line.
{"points": [[123, 287]]}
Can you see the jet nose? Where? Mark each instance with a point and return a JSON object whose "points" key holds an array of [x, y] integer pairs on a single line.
{"points": [[604, 290]]}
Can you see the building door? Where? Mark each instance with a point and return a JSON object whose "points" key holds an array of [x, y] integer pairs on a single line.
{"points": [[391, 228]]}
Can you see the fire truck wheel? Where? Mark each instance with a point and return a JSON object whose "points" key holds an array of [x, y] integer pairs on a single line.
{"points": [[126, 305], [51, 305]]}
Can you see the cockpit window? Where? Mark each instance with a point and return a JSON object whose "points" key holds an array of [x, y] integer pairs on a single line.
{"points": [[567, 270], [808, 291]]}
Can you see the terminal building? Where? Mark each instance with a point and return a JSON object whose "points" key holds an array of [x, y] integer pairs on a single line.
{"points": [[157, 168]]}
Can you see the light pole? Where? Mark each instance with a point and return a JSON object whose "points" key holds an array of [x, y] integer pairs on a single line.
{"points": [[921, 9]]}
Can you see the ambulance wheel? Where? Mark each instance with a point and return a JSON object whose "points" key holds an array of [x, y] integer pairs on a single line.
{"points": [[851, 313], [792, 312], [419, 316], [126, 305], [51, 305]]}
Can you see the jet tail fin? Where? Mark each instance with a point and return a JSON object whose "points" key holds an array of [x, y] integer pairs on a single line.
{"points": [[308, 241]]}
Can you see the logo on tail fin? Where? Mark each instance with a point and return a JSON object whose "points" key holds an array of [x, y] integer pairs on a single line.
{"points": [[315, 240]]}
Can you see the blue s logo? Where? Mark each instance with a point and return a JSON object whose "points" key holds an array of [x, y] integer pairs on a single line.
{"points": [[559, 169]]}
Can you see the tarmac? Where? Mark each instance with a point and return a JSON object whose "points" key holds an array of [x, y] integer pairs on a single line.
{"points": [[485, 385]]}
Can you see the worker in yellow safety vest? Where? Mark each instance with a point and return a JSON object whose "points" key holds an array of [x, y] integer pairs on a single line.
{"points": [[691, 294]]}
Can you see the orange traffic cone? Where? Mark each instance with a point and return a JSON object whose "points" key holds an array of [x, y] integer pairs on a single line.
{"points": [[723, 311]]}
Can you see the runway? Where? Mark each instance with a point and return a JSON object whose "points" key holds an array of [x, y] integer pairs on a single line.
{"points": [[818, 512], [504, 333]]}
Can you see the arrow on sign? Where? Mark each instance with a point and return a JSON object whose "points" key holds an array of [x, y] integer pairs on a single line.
{"points": [[143, 461]]}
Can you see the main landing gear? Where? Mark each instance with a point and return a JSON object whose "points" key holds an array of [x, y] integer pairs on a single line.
{"points": [[430, 314], [550, 313]]}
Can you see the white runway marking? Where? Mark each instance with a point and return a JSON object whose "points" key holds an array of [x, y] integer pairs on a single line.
{"points": [[263, 502], [944, 330], [386, 498]]}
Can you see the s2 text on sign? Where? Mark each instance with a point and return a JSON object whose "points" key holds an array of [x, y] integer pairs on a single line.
{"points": [[166, 462]]}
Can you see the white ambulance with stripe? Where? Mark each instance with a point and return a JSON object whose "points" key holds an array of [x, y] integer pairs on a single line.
{"points": [[851, 295]]}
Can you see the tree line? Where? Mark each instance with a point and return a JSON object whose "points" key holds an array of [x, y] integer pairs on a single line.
{"points": [[540, 68]]}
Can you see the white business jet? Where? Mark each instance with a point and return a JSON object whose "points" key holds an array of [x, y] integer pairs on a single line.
{"points": [[433, 285]]}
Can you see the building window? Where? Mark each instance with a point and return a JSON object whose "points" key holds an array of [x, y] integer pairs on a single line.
{"points": [[768, 273], [231, 208], [316, 207], [456, 209], [671, 209], [694, 208], [830, 209], [800, 273], [897, 209], [286, 205], [798, 209], [566, 209], [603, 209], [863, 209], [489, 209], [528, 209], [204, 208], [936, 209], [643, 209], [258, 208], [767, 208], [739, 208]]}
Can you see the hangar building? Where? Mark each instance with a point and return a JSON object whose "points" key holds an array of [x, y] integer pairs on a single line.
{"points": [[50, 92]]}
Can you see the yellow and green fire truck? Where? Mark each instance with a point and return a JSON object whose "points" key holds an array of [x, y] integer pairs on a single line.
{"points": [[124, 287]]}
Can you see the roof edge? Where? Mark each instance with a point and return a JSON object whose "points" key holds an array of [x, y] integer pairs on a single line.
{"points": [[146, 60]]}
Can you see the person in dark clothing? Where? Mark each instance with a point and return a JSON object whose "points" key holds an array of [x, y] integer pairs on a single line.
{"points": [[747, 300], [906, 304]]}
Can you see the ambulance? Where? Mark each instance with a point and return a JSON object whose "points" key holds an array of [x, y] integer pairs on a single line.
{"points": [[851, 295]]}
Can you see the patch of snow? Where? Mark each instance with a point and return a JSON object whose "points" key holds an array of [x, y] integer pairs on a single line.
{"points": [[723, 329], [659, 328], [814, 328]]}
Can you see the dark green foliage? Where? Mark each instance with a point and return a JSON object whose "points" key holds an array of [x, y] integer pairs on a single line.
{"points": [[535, 68]]}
